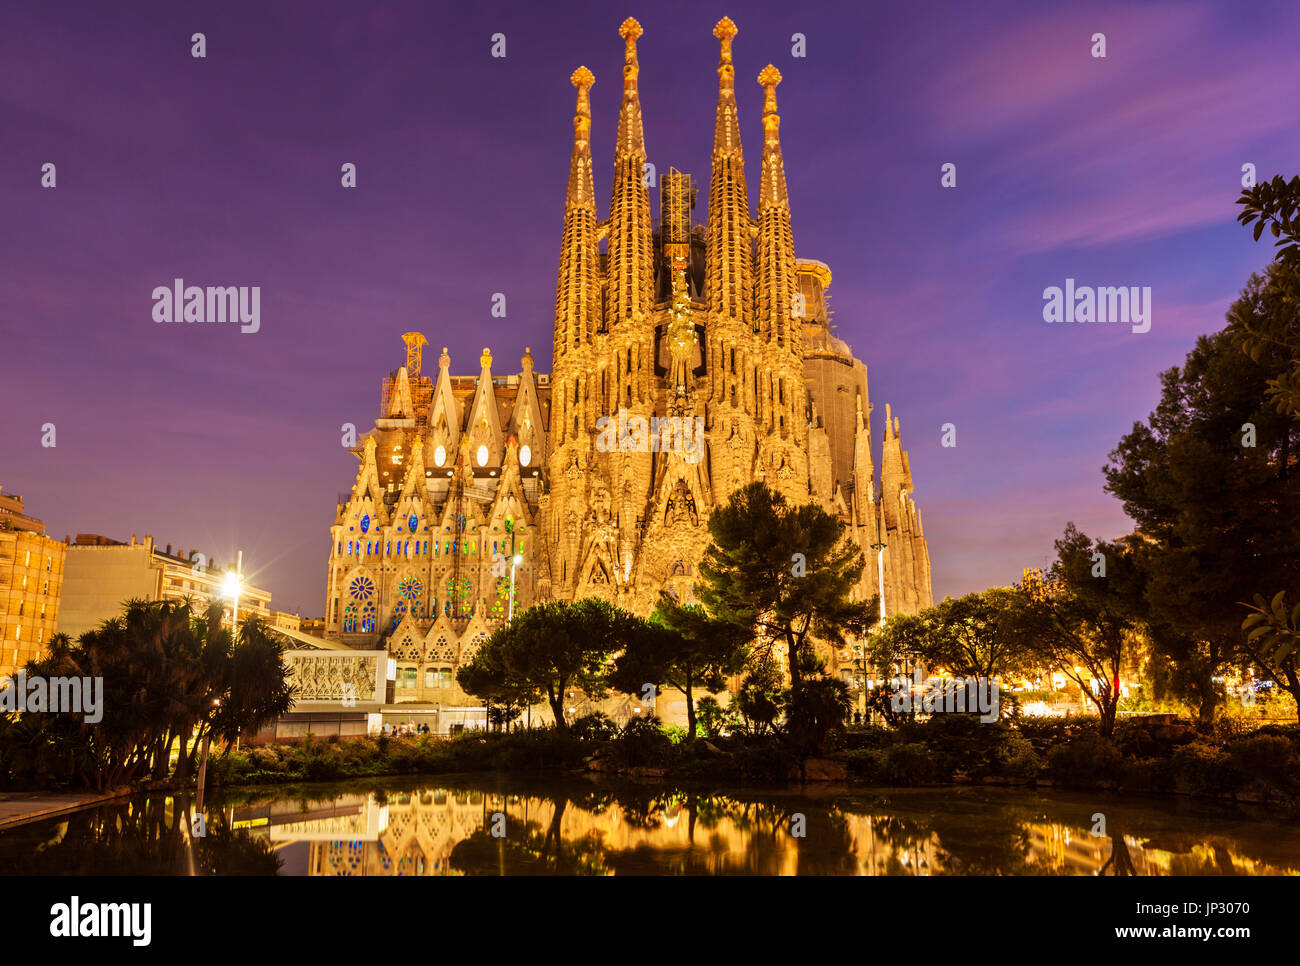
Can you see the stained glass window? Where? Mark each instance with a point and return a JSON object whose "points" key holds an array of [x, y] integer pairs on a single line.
{"points": [[462, 597]]}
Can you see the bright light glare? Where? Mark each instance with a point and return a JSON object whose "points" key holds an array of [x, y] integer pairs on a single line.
{"points": [[231, 585]]}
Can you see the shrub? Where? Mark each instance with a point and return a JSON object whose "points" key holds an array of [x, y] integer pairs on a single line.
{"points": [[1268, 758], [643, 743], [1085, 762], [594, 727], [1017, 758], [913, 763], [1043, 733], [711, 716], [1202, 769], [1146, 775]]}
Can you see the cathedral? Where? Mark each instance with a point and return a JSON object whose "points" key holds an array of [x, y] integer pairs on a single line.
{"points": [[688, 361]]}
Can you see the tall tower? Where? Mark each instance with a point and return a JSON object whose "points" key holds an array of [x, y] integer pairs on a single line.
{"points": [[630, 266], [781, 394], [733, 365]]}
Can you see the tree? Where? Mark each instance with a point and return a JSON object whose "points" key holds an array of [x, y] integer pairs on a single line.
{"points": [[255, 686], [550, 649], [1274, 205], [684, 648], [1266, 327], [1211, 481], [488, 677], [760, 698], [969, 635], [170, 673], [1082, 624], [787, 573], [1273, 639]]}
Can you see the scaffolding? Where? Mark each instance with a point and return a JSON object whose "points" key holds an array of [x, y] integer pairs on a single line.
{"points": [[676, 203]]}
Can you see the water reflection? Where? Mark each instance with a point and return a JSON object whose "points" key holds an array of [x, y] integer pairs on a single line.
{"points": [[153, 835], [487, 827]]}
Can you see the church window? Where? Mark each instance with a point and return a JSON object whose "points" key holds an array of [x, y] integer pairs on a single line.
{"points": [[501, 597], [409, 592], [459, 606]]}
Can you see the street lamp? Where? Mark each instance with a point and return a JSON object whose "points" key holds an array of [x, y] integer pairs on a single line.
{"points": [[515, 561], [230, 588], [879, 547]]}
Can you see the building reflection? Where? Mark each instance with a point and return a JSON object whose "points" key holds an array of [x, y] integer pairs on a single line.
{"points": [[458, 831]]}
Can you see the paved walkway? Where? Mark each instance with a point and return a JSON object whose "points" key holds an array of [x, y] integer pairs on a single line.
{"points": [[18, 808]]}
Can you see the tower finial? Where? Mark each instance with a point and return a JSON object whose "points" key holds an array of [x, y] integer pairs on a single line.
{"points": [[769, 77], [582, 79], [630, 30], [724, 31]]}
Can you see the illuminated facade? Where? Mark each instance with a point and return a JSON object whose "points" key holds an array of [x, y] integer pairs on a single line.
{"points": [[587, 474], [31, 585]]}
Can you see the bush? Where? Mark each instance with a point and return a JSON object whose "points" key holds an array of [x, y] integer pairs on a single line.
{"points": [[711, 716], [1146, 775], [1043, 733], [913, 763], [594, 727], [1017, 758], [1268, 758], [1202, 769], [643, 743], [1085, 762]]}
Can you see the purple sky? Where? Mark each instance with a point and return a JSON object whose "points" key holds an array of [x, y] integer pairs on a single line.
{"points": [[225, 171]]}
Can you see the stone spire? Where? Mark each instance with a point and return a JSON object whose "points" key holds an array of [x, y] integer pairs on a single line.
{"points": [[399, 403], [777, 284], [577, 291], [728, 274], [630, 273]]}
